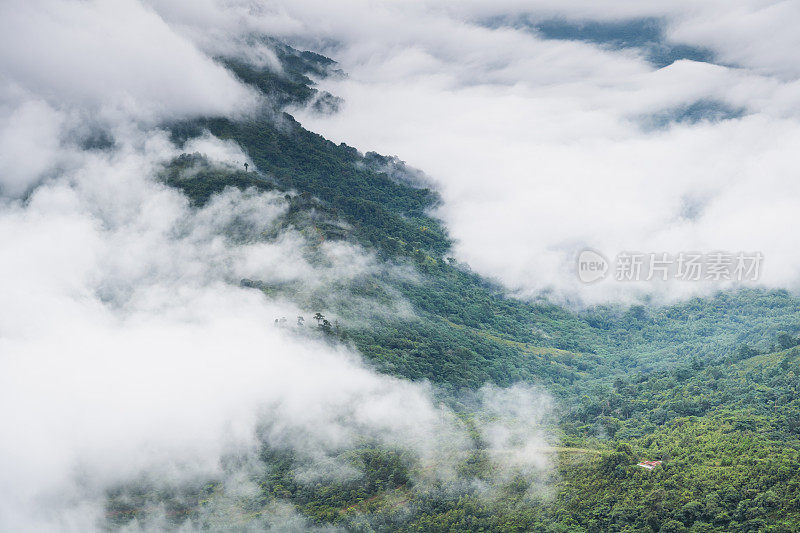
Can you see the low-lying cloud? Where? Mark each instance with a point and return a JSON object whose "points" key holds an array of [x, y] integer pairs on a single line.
{"points": [[116, 57], [71, 69], [543, 147], [130, 354], [129, 348]]}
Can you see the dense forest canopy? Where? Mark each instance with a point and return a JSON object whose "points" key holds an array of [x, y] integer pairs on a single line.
{"points": [[377, 266], [706, 386]]}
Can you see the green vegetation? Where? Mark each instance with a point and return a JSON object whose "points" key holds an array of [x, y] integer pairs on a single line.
{"points": [[708, 386]]}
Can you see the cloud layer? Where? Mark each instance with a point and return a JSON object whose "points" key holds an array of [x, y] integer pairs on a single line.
{"points": [[126, 343], [543, 147], [128, 349]]}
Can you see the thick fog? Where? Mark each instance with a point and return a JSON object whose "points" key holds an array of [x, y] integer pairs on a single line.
{"points": [[555, 127], [128, 348]]}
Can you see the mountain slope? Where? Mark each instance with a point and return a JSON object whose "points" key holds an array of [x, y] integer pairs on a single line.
{"points": [[699, 384]]}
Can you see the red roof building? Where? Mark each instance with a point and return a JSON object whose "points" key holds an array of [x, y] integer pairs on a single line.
{"points": [[649, 464]]}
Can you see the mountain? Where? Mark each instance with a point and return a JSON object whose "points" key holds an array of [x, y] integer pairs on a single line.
{"points": [[707, 386]]}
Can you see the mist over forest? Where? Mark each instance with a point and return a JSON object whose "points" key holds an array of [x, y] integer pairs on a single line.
{"points": [[388, 266]]}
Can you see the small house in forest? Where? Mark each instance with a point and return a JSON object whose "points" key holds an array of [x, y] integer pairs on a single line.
{"points": [[649, 465]]}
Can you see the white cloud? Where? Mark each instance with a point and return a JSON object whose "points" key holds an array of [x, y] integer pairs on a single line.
{"points": [[129, 349], [29, 141], [69, 69], [757, 35], [539, 147], [118, 57], [125, 341]]}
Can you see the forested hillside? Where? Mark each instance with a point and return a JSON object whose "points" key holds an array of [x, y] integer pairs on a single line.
{"points": [[708, 386]]}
